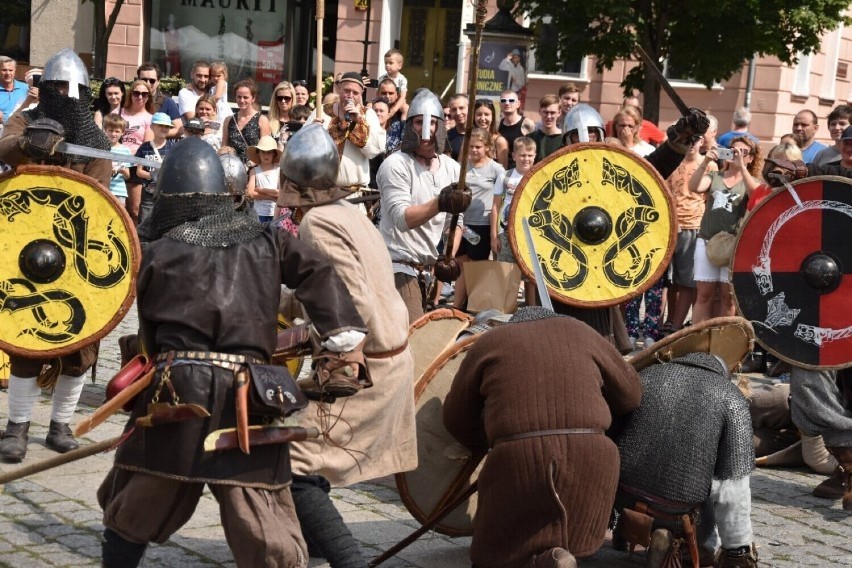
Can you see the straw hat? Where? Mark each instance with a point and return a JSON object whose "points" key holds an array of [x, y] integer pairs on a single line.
{"points": [[266, 143]]}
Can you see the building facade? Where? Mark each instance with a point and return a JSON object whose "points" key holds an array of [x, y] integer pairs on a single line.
{"points": [[271, 40]]}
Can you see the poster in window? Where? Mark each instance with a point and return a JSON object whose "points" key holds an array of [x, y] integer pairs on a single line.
{"points": [[270, 55], [502, 66]]}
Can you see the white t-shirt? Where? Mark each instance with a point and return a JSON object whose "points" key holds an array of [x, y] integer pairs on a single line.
{"points": [[265, 180]]}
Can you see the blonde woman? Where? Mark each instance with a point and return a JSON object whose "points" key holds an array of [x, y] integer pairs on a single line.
{"points": [[137, 111], [728, 195], [282, 102], [627, 123]]}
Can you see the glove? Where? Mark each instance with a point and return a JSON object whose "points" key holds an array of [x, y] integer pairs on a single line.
{"points": [[447, 271], [779, 171], [453, 200], [341, 374], [687, 130], [40, 138]]}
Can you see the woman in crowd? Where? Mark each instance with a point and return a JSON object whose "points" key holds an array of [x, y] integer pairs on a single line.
{"points": [[248, 125], [302, 93], [282, 101], [729, 191], [627, 123], [109, 99], [205, 110], [483, 117], [137, 111]]}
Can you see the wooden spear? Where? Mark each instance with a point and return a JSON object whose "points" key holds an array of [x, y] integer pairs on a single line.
{"points": [[320, 17]]}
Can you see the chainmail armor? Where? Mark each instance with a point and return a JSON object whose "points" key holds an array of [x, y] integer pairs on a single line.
{"points": [[205, 219], [74, 116], [533, 313], [693, 426]]}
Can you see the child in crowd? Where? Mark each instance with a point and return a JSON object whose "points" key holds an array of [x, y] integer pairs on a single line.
{"points": [[785, 151], [219, 89], [156, 150], [393, 66], [482, 173], [523, 154], [299, 115], [114, 127], [263, 179]]}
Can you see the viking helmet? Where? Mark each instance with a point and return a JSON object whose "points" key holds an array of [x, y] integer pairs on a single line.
{"points": [[236, 178], [191, 166], [310, 158], [580, 118], [65, 65], [427, 105]]}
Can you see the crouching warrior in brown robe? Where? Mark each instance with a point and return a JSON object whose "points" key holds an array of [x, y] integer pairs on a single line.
{"points": [[208, 288], [550, 477]]}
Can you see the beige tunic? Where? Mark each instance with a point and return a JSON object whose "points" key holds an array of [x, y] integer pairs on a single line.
{"points": [[377, 424]]}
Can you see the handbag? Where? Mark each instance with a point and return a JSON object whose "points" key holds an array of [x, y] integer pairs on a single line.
{"points": [[273, 392], [720, 248]]}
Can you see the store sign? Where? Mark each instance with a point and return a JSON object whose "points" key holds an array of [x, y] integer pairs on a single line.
{"points": [[270, 54]]}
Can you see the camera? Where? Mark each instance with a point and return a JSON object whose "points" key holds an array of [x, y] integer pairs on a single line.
{"points": [[36, 80], [726, 154]]}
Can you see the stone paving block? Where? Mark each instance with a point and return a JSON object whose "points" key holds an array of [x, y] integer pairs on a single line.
{"points": [[56, 530], [78, 539], [23, 537]]}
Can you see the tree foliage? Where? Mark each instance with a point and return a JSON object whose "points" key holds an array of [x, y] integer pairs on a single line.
{"points": [[707, 41], [103, 29]]}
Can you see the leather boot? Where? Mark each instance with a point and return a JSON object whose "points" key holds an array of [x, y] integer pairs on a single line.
{"points": [[119, 553], [743, 557], [13, 446], [60, 438], [831, 487], [844, 458], [554, 558]]}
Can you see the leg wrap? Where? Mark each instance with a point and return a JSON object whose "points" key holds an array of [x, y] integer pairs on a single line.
{"points": [[322, 526], [65, 397], [23, 393]]}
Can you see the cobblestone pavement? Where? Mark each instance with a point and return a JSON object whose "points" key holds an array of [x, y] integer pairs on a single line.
{"points": [[53, 519]]}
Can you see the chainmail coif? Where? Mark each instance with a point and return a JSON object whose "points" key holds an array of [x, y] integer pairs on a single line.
{"points": [[534, 313], [205, 219], [692, 426], [73, 114]]}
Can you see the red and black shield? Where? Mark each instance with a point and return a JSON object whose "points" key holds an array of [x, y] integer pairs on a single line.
{"points": [[792, 273]]}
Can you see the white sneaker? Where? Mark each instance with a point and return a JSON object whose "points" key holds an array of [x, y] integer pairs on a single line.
{"points": [[648, 342]]}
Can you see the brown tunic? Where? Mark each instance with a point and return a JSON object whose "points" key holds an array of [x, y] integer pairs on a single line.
{"points": [[526, 377]]}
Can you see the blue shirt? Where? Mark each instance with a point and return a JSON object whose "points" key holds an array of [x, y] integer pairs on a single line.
{"points": [[726, 138], [809, 154], [10, 99], [170, 107]]}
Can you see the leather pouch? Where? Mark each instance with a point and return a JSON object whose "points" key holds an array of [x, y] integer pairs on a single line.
{"points": [[273, 392], [635, 527]]}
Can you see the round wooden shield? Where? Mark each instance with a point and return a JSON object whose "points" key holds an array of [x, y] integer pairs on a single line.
{"points": [[69, 255], [445, 468], [792, 273], [433, 333], [602, 223]]}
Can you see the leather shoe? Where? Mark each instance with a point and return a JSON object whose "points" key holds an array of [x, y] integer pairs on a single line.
{"points": [[831, 487], [60, 438], [13, 445]]}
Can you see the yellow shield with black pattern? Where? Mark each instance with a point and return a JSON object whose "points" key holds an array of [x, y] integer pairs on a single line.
{"points": [[602, 222], [69, 255]]}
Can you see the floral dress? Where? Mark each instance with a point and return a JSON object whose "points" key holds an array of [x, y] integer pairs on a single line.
{"points": [[240, 140]]}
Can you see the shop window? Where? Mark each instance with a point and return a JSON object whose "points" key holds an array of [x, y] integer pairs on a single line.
{"points": [[15, 29], [265, 40]]}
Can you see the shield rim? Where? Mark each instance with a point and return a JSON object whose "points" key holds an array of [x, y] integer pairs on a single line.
{"points": [[465, 472], [135, 251], [669, 200], [784, 357]]}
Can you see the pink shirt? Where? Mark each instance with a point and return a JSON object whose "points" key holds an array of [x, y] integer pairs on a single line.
{"points": [[137, 124]]}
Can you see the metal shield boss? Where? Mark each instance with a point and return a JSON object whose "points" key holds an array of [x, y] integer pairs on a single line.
{"points": [[792, 273], [602, 222], [68, 261]]}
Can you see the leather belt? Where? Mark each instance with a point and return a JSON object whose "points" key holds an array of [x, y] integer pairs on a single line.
{"points": [[208, 357], [659, 502], [539, 433], [418, 266], [387, 354]]}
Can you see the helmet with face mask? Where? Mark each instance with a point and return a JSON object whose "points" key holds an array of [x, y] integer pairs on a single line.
{"points": [[580, 119], [66, 66], [427, 105]]}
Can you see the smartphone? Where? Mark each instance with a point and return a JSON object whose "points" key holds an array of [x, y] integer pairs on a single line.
{"points": [[36, 80], [726, 154]]}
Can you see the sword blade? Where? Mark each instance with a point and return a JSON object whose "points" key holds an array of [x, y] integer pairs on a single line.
{"points": [[539, 275], [661, 79], [77, 150]]}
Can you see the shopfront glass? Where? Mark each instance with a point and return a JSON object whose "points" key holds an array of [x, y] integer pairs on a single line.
{"points": [[264, 40]]}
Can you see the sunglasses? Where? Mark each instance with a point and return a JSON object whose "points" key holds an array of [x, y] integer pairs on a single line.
{"points": [[111, 81], [141, 94], [286, 98], [300, 83], [506, 101], [149, 80]]}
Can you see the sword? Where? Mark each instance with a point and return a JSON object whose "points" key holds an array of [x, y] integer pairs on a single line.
{"points": [[661, 79], [77, 150], [539, 275], [228, 438]]}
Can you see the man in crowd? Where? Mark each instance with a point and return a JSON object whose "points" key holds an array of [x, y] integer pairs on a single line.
{"points": [[648, 131], [569, 95], [378, 422], [838, 120], [741, 120], [151, 74], [416, 186], [189, 95], [805, 125], [30, 137], [203, 339], [548, 137], [356, 132], [686, 456], [12, 91], [458, 112], [513, 124], [547, 486]]}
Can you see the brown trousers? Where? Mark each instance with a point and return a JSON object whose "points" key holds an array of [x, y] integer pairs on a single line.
{"points": [[260, 525], [409, 288]]}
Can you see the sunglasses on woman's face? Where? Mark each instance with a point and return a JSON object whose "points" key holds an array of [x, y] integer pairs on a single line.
{"points": [[141, 94], [300, 83], [286, 98]]}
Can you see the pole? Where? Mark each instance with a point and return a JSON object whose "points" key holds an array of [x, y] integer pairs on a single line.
{"points": [[61, 459], [367, 42], [320, 17]]}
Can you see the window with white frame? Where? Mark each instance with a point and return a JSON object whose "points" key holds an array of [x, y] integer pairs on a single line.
{"points": [[801, 80], [573, 68]]}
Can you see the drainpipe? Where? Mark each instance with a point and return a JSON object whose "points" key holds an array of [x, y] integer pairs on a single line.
{"points": [[750, 82]]}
